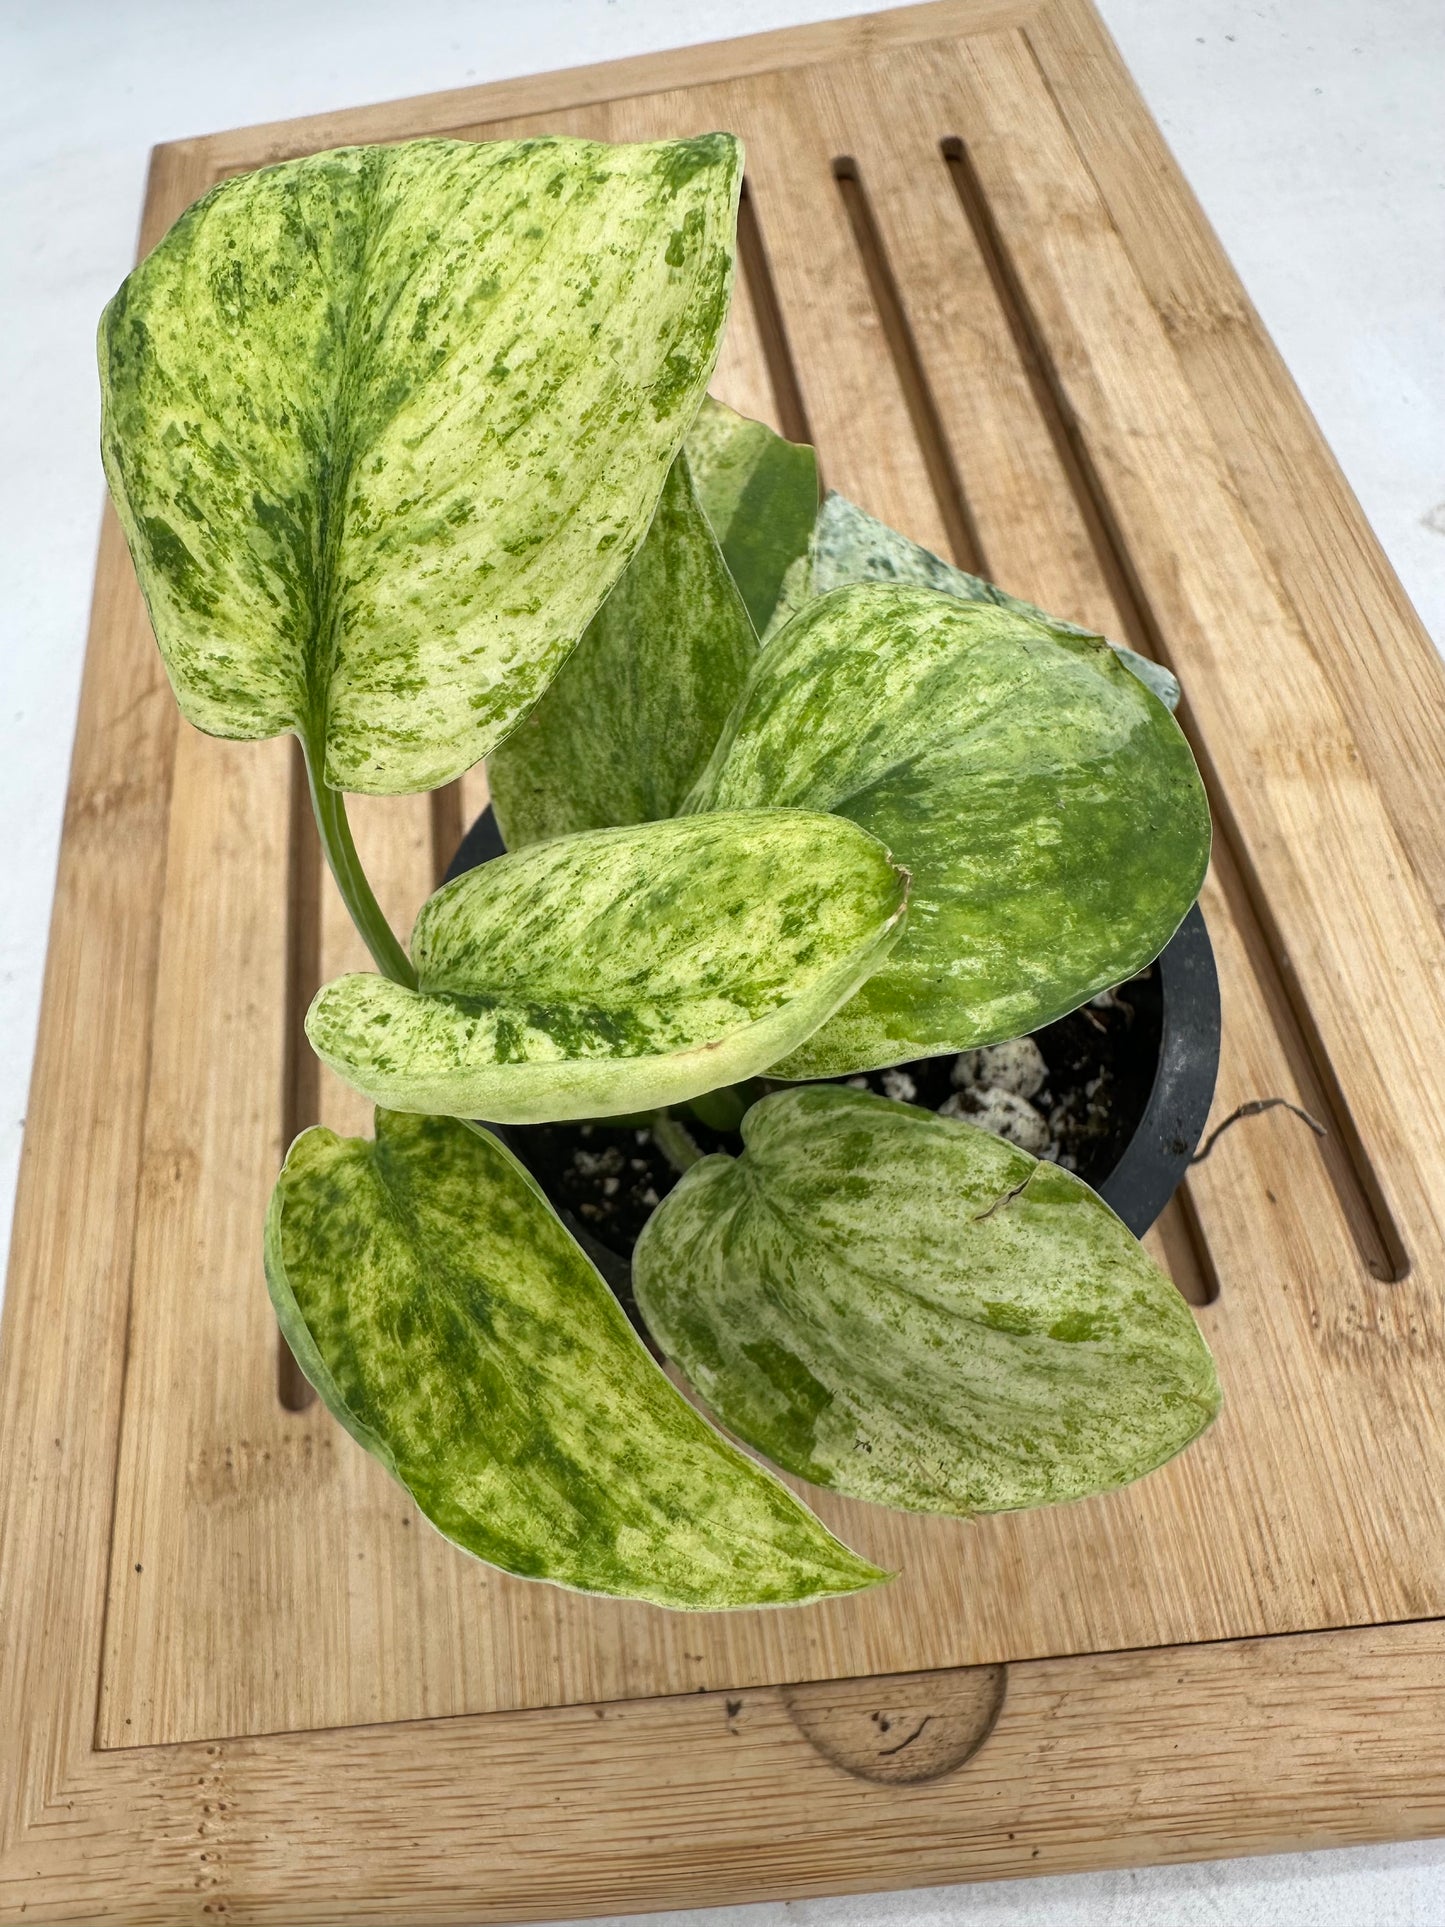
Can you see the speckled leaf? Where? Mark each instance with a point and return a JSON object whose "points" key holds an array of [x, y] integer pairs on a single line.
{"points": [[630, 719], [384, 425], [910, 1310], [1047, 806], [433, 1298], [849, 545], [761, 496], [621, 969]]}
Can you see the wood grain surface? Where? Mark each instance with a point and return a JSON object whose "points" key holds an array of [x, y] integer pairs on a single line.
{"points": [[241, 1678]]}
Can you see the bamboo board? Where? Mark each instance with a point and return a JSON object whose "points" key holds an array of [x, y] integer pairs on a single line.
{"points": [[239, 1678]]}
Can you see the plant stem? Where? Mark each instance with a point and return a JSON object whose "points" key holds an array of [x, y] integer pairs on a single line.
{"points": [[722, 1109], [329, 808], [675, 1141]]}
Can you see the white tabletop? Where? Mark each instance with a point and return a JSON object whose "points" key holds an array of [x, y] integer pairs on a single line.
{"points": [[1313, 133]]}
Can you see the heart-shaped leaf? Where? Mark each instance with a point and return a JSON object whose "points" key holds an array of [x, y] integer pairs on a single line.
{"points": [[908, 1309], [436, 1303], [1046, 804], [620, 970], [849, 545], [761, 495], [626, 725], [384, 425]]}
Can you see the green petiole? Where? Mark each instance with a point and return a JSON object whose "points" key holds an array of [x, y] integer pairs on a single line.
{"points": [[722, 1109], [329, 808], [675, 1141]]}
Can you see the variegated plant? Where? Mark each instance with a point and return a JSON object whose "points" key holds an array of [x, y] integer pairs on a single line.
{"points": [[412, 449]]}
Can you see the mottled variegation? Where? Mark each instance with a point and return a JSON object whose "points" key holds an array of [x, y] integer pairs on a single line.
{"points": [[849, 545], [908, 1309], [1046, 805], [384, 425], [620, 970], [761, 496], [631, 717], [433, 1298]]}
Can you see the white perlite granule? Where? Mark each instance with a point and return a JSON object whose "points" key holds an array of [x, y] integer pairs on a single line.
{"points": [[1003, 1113], [1017, 1066]]}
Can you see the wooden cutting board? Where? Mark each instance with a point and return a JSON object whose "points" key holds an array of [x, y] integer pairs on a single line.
{"points": [[239, 1677]]}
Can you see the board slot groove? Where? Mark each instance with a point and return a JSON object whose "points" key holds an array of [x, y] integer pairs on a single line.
{"points": [[753, 259], [1188, 1259], [1110, 554], [949, 492], [1372, 1223], [301, 1074]]}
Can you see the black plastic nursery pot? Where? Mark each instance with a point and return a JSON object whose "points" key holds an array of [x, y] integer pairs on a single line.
{"points": [[1130, 1077]]}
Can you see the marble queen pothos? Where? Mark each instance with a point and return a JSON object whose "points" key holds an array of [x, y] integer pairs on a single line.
{"points": [[413, 451]]}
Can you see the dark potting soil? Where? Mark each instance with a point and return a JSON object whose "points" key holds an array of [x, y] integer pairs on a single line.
{"points": [[1098, 1068]]}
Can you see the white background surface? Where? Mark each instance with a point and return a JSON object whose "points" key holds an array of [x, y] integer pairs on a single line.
{"points": [[1313, 131]]}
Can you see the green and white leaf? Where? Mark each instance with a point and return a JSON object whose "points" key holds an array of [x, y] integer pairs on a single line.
{"points": [[384, 426], [910, 1310], [849, 545], [446, 1318], [620, 970], [628, 722], [1047, 807], [760, 493]]}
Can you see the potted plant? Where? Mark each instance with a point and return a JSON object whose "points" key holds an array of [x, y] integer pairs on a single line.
{"points": [[412, 450]]}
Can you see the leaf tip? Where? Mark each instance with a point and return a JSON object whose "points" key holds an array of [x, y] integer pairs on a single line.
{"points": [[851, 1573]]}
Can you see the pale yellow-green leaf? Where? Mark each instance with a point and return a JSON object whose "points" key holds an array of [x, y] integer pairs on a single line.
{"points": [[620, 970], [908, 1309], [1046, 804], [848, 545], [385, 424], [450, 1323]]}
